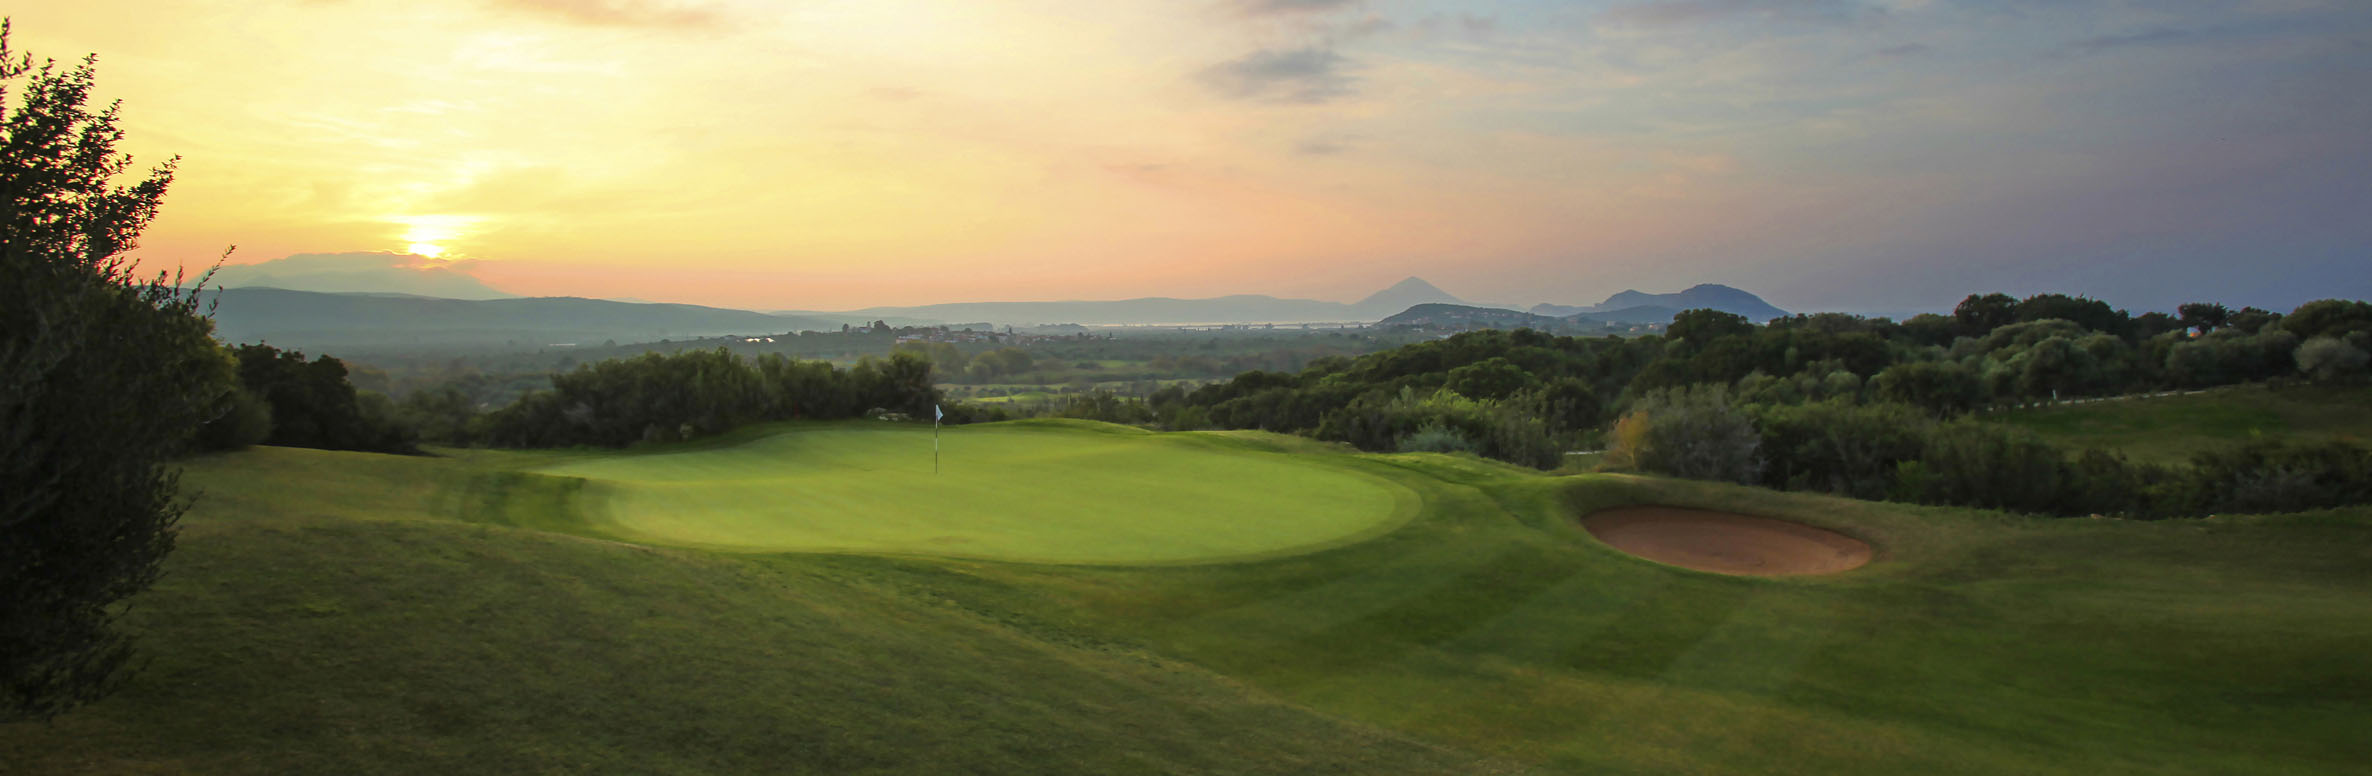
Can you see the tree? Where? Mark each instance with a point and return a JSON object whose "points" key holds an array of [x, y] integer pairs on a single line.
{"points": [[1980, 314], [2328, 318], [2330, 359], [103, 377], [2204, 316], [1943, 388], [1702, 327]]}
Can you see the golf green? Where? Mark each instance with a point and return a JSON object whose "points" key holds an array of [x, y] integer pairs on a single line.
{"points": [[1041, 491]]}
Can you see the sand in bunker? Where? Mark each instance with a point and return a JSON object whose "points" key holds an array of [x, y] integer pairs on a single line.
{"points": [[1725, 543]]}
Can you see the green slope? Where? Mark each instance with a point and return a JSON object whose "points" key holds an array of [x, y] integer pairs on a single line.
{"points": [[325, 614], [2171, 429], [335, 612]]}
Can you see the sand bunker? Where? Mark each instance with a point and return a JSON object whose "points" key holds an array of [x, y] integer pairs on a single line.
{"points": [[1725, 543]]}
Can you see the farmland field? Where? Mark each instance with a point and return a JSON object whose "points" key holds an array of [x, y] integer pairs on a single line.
{"points": [[505, 612]]}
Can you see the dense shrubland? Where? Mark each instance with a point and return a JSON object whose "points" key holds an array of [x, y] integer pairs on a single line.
{"points": [[666, 397], [1865, 407]]}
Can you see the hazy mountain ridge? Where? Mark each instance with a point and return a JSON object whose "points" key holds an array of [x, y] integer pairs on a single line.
{"points": [[1633, 306], [1235, 308], [1438, 314], [317, 321], [314, 320], [360, 273]]}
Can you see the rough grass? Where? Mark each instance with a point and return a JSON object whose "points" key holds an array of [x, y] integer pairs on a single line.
{"points": [[338, 612], [2171, 429], [1046, 491]]}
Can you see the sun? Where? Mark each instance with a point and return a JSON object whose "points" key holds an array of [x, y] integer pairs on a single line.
{"points": [[429, 235]]}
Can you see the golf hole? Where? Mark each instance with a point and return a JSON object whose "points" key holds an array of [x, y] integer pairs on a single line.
{"points": [[1725, 543]]}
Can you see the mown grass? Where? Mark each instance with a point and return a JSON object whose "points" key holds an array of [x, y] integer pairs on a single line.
{"points": [[347, 613], [339, 612], [2171, 429], [1047, 491]]}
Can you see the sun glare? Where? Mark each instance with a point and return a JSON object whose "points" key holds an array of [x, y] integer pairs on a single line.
{"points": [[430, 235]]}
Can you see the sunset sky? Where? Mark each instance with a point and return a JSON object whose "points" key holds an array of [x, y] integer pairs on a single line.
{"points": [[1877, 156]]}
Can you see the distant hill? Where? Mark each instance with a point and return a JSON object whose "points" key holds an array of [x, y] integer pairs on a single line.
{"points": [[1469, 316], [1240, 308], [321, 321], [1642, 314], [1640, 307], [364, 273], [1402, 296]]}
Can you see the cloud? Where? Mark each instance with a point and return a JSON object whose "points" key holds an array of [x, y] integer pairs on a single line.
{"points": [[1907, 50], [1471, 25], [1668, 13], [1275, 7], [2107, 43], [1327, 144], [1368, 26], [619, 13], [1306, 75]]}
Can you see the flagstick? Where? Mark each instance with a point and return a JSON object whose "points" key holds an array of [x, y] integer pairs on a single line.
{"points": [[935, 415]]}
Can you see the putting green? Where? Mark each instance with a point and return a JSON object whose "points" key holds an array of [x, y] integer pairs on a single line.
{"points": [[1037, 491]]}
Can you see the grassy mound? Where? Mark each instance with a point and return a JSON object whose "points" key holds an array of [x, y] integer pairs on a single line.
{"points": [[1065, 492], [337, 612]]}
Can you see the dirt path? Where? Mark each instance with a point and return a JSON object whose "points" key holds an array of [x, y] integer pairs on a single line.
{"points": [[1726, 543]]}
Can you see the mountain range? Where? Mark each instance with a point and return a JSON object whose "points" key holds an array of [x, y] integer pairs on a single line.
{"points": [[1239, 308], [313, 321], [361, 273], [459, 311], [1632, 306]]}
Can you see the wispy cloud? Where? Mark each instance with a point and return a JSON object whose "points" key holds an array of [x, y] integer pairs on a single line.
{"points": [[1270, 7], [1329, 144], [1907, 50], [1470, 24], [1304, 75], [619, 13], [2106, 43], [1661, 13]]}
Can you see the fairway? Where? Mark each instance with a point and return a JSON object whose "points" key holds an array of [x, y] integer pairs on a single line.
{"points": [[1059, 492]]}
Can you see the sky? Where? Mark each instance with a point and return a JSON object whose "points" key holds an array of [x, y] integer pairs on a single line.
{"points": [[1858, 155]]}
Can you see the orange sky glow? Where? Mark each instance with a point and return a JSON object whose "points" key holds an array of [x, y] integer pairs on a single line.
{"points": [[838, 154]]}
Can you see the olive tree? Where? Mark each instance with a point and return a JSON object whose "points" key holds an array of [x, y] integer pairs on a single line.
{"points": [[103, 377]]}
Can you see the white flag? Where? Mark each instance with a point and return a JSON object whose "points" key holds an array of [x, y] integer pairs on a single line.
{"points": [[937, 413]]}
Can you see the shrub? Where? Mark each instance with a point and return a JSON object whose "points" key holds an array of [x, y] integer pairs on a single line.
{"points": [[1840, 448], [1695, 433], [2330, 359], [1435, 439]]}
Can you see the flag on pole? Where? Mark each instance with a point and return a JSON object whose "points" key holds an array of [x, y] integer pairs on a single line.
{"points": [[936, 414]]}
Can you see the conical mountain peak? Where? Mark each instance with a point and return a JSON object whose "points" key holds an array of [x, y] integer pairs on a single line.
{"points": [[1405, 294]]}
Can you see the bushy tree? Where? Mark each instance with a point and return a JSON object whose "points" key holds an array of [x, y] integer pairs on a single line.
{"points": [[313, 404], [103, 376], [1840, 448], [2329, 318], [1980, 314], [2330, 359], [1697, 433], [2203, 316], [1939, 387]]}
